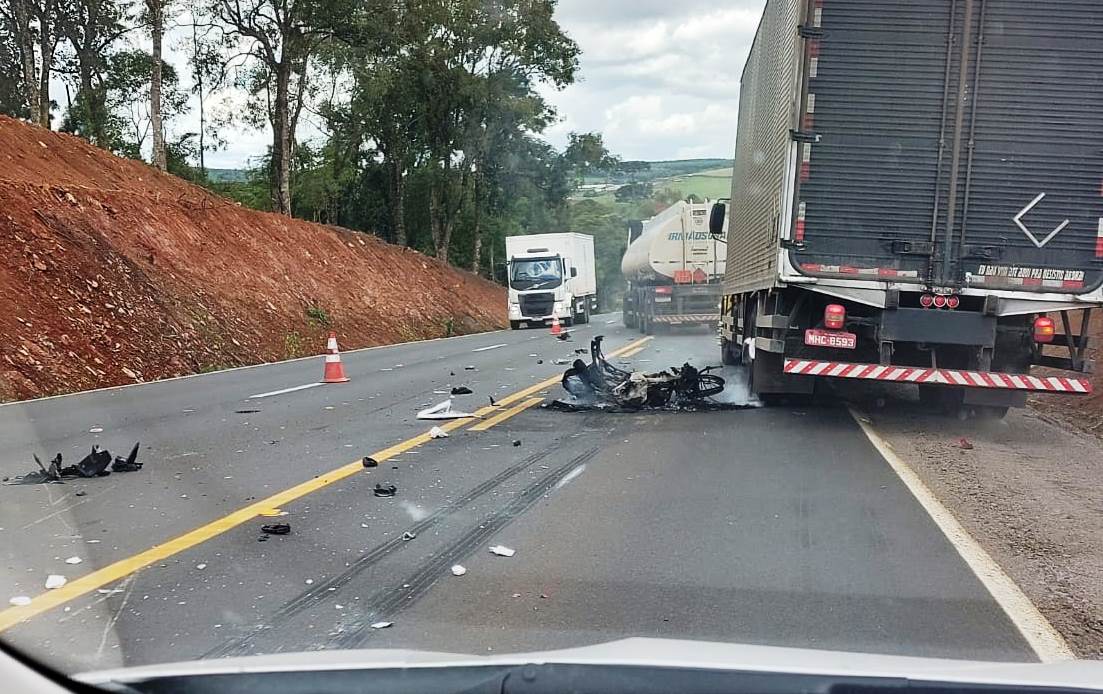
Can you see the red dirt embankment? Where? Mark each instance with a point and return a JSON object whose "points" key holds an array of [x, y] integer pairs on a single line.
{"points": [[112, 272]]}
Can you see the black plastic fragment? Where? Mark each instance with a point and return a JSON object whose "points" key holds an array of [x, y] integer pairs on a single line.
{"points": [[385, 490], [462, 390], [369, 461], [276, 529], [92, 465], [517, 443], [129, 463]]}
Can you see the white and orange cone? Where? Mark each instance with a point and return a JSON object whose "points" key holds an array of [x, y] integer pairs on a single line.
{"points": [[335, 371], [555, 328]]}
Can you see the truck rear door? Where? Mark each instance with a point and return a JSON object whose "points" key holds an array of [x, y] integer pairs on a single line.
{"points": [[952, 143]]}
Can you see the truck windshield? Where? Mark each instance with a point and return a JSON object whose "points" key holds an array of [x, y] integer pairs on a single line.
{"points": [[536, 273]]}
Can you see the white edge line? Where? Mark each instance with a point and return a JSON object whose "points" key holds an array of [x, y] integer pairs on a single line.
{"points": [[487, 349], [1047, 642], [241, 368], [285, 390]]}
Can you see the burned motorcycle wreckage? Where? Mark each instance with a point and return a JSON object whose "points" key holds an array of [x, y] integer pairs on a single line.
{"points": [[601, 385]]}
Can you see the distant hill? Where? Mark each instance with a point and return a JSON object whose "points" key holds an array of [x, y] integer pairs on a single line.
{"points": [[654, 170], [228, 175]]}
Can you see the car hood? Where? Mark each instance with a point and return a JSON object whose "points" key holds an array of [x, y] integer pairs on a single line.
{"points": [[663, 653]]}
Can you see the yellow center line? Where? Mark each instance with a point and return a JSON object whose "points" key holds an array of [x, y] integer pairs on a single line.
{"points": [[124, 567], [631, 352], [503, 416]]}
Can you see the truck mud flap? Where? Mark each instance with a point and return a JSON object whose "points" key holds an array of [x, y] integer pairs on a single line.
{"points": [[946, 377]]}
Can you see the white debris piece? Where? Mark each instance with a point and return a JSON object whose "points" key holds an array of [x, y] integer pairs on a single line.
{"points": [[19, 601], [381, 625], [438, 433], [109, 591], [200, 566], [443, 411], [458, 570], [55, 581], [310, 581], [502, 551], [73, 560], [95, 430]]}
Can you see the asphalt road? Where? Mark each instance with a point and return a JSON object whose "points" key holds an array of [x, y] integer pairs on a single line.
{"points": [[778, 526]]}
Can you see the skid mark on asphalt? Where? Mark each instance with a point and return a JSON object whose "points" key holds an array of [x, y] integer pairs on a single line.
{"points": [[388, 602], [324, 590]]}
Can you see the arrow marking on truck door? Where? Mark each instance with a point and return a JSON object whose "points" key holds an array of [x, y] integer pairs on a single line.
{"points": [[1018, 222]]}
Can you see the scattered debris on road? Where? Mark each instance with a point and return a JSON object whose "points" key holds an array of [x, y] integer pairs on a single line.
{"points": [[600, 385], [564, 336], [73, 560], [369, 461], [458, 570], [469, 368], [276, 529], [502, 551], [443, 410], [517, 443], [438, 433], [19, 601], [963, 443], [54, 581], [246, 411], [385, 490], [462, 390], [407, 536], [381, 625], [492, 403], [94, 464]]}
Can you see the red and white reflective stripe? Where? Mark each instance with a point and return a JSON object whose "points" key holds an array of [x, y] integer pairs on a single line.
{"points": [[687, 318], [949, 377], [1099, 240], [798, 233]]}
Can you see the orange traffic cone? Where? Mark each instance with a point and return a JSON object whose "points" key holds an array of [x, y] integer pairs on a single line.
{"points": [[335, 372], [555, 329]]}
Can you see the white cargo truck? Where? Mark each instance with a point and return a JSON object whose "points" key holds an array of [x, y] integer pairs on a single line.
{"points": [[674, 269], [551, 275]]}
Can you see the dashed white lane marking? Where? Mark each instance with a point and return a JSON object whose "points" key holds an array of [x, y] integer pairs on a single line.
{"points": [[570, 476], [487, 349], [285, 390], [1047, 643]]}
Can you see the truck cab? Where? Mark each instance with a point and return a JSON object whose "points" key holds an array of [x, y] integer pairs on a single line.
{"points": [[550, 278]]}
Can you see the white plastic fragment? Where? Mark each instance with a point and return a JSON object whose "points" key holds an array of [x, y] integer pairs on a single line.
{"points": [[95, 430], [438, 433], [502, 551], [443, 410], [200, 566], [55, 581], [381, 625], [109, 591], [19, 600], [73, 560], [458, 570]]}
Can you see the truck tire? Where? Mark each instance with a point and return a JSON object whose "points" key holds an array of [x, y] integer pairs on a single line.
{"points": [[515, 325], [629, 319]]}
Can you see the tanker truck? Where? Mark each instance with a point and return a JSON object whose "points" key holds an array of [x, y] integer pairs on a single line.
{"points": [[674, 269]]}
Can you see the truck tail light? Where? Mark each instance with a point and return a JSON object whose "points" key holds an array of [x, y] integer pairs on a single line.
{"points": [[834, 317], [664, 290], [953, 301], [1043, 329], [939, 301], [926, 301]]}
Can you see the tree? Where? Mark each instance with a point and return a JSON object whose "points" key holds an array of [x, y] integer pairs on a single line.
{"points": [[280, 36], [12, 93], [127, 87], [91, 28], [156, 16], [586, 153]]}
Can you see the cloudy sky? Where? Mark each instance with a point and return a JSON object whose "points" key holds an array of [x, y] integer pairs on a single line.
{"points": [[659, 78]]}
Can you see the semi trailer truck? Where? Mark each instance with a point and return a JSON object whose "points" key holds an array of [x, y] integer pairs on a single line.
{"points": [[551, 276], [917, 197], [673, 268]]}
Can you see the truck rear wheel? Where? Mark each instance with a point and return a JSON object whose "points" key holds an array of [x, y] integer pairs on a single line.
{"points": [[515, 325]]}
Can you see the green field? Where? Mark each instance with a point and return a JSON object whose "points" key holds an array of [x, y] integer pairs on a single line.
{"points": [[713, 184]]}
